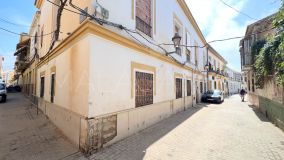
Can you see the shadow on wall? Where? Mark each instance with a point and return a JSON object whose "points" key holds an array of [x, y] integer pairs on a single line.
{"points": [[138, 143]]}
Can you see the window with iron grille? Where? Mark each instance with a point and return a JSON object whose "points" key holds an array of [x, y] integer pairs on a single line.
{"points": [[144, 16], [143, 89], [201, 87], [178, 88], [188, 88], [52, 88], [41, 87]]}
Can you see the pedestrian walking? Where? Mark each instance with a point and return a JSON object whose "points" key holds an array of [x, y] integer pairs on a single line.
{"points": [[242, 94]]}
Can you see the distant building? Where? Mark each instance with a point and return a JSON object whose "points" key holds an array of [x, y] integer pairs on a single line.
{"points": [[1, 66], [8, 77], [234, 80]]}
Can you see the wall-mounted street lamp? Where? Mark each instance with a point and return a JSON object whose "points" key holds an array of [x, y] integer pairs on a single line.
{"points": [[206, 67], [176, 39]]}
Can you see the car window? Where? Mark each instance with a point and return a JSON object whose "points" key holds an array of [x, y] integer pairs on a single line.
{"points": [[216, 92], [2, 86], [209, 92]]}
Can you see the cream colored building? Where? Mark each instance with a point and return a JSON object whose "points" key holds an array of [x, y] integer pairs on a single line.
{"points": [[216, 75], [103, 82]]}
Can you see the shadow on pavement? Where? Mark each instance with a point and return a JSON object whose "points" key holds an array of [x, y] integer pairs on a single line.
{"points": [[138, 143], [259, 114]]}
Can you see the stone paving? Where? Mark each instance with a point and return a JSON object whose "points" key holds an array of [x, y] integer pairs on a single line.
{"points": [[230, 131], [24, 135]]}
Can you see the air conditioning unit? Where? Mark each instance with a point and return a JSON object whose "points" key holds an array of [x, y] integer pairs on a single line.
{"points": [[99, 10]]}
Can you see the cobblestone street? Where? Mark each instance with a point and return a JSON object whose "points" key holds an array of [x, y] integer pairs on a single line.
{"points": [[24, 135], [232, 130]]}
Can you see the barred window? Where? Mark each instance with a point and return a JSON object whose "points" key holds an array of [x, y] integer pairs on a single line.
{"points": [[143, 89], [201, 87], [188, 87], [178, 88], [144, 16], [52, 88]]}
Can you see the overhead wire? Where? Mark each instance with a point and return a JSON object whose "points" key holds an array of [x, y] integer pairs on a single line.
{"points": [[15, 33], [13, 23], [228, 5]]}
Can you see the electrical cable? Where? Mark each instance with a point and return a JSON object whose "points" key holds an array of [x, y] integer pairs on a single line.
{"points": [[12, 23], [221, 40], [12, 32], [237, 10]]}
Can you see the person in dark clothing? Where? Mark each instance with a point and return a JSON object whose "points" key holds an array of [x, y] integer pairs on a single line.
{"points": [[243, 93]]}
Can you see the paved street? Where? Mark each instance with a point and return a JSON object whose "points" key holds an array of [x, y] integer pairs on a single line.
{"points": [[24, 135], [229, 131]]}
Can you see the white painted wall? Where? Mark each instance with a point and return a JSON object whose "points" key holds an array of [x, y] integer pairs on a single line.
{"points": [[110, 77]]}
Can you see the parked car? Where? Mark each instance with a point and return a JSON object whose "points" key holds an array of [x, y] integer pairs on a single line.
{"points": [[213, 96], [3, 92]]}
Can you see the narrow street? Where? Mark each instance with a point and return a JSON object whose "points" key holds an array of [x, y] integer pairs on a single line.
{"points": [[232, 130], [27, 136], [229, 131]]}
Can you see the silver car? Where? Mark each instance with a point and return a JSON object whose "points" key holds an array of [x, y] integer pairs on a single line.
{"points": [[213, 96], [3, 92]]}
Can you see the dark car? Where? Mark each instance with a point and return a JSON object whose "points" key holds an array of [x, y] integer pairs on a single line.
{"points": [[213, 96]]}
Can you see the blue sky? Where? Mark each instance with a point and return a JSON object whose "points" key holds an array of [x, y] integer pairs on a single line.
{"points": [[216, 21]]}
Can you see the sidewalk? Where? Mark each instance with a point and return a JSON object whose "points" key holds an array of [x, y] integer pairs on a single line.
{"points": [[24, 135]]}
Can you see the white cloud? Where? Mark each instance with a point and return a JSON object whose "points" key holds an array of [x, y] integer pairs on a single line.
{"points": [[218, 21]]}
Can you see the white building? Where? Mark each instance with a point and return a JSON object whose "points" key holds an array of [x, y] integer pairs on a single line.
{"points": [[234, 80], [120, 74]]}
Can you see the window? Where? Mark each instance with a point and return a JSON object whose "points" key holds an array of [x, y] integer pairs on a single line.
{"points": [[178, 88], [252, 82], [54, 15], [215, 85], [144, 16], [41, 87], [178, 30], [41, 37], [201, 87], [52, 88], [187, 50], [35, 40], [196, 53], [82, 15], [143, 89], [2, 86], [188, 89], [249, 85]]}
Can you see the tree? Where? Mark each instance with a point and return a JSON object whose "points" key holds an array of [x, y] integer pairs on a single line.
{"points": [[269, 60], [58, 22]]}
